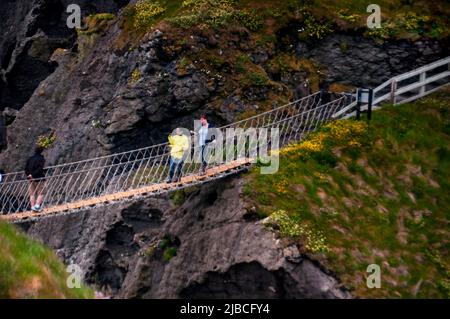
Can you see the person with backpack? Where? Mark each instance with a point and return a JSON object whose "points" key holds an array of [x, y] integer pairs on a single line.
{"points": [[203, 140], [178, 144], [35, 173]]}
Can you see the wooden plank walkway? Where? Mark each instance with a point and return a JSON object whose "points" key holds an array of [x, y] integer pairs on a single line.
{"points": [[117, 197]]}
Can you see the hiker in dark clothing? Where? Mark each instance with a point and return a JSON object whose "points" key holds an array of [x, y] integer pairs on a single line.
{"points": [[34, 170]]}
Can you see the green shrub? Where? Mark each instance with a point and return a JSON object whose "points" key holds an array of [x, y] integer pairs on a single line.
{"points": [[250, 19], [99, 17], [315, 29], [315, 241], [184, 62], [189, 3], [326, 158], [349, 135], [386, 31], [443, 153], [279, 64], [177, 197], [348, 17], [255, 79], [146, 12], [185, 21], [241, 63], [444, 286], [46, 141], [150, 250], [216, 61], [216, 14], [169, 253], [169, 245], [96, 23], [416, 23], [135, 76]]}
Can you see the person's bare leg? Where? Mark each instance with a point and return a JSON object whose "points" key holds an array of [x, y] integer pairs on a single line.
{"points": [[40, 193], [32, 190], [40, 199], [32, 201]]}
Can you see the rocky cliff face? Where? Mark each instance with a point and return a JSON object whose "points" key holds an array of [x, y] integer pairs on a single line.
{"points": [[218, 249], [31, 31], [363, 64], [100, 93]]}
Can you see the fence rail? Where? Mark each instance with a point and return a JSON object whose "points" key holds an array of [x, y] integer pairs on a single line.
{"points": [[407, 87]]}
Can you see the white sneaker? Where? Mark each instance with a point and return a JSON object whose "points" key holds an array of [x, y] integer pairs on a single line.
{"points": [[36, 208]]}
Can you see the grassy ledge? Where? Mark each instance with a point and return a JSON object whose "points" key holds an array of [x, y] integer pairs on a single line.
{"points": [[29, 270], [356, 193]]}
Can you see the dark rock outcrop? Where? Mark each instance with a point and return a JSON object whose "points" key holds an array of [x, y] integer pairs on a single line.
{"points": [[219, 253], [31, 31], [349, 60]]}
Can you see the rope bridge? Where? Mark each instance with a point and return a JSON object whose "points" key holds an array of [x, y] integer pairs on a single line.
{"points": [[142, 172], [129, 175]]}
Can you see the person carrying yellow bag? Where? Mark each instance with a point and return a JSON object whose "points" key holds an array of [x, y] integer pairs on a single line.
{"points": [[178, 144]]}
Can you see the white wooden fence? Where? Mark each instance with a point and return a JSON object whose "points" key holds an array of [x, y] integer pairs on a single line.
{"points": [[407, 87]]}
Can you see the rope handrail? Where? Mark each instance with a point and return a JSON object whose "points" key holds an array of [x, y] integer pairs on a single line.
{"points": [[129, 171], [122, 176], [165, 143]]}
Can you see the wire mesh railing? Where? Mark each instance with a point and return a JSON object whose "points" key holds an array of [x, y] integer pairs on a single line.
{"points": [[82, 180]]}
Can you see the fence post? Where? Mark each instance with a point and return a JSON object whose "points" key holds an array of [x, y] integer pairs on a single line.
{"points": [[358, 105], [393, 90], [423, 77]]}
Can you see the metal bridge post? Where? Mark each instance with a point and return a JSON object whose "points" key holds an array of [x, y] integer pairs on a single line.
{"points": [[369, 105]]}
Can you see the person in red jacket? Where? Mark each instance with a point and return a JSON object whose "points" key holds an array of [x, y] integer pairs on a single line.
{"points": [[35, 173]]}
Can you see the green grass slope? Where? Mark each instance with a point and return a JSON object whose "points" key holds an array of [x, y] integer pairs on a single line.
{"points": [[400, 18], [29, 270], [357, 193]]}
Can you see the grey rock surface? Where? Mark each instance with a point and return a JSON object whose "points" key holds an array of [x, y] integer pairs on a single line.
{"points": [[100, 98], [350, 60], [219, 252]]}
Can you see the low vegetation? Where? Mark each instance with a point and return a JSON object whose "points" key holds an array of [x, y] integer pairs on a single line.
{"points": [[47, 141], [29, 270], [146, 12], [401, 18], [135, 77], [166, 248], [356, 193], [97, 23]]}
